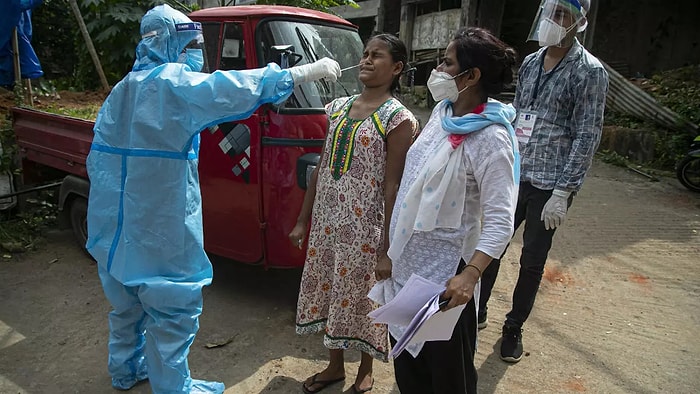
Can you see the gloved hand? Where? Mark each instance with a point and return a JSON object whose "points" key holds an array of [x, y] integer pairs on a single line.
{"points": [[323, 68], [554, 210]]}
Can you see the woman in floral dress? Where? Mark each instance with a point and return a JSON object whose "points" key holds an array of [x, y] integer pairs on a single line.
{"points": [[351, 193]]}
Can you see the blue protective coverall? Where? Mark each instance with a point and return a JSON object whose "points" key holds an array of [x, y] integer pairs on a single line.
{"points": [[145, 211], [17, 14]]}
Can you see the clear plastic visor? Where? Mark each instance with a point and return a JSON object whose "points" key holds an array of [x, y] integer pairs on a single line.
{"points": [[560, 16], [196, 43]]}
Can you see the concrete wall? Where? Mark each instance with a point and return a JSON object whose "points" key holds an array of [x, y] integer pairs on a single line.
{"points": [[635, 37], [435, 30], [638, 145], [365, 17], [650, 35], [367, 9]]}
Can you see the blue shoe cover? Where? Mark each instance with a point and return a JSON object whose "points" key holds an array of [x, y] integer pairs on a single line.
{"points": [[129, 382], [204, 387]]}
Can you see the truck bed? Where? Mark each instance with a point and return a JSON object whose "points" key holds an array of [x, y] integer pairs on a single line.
{"points": [[53, 140]]}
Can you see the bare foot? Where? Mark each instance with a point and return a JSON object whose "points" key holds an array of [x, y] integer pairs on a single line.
{"points": [[363, 384]]}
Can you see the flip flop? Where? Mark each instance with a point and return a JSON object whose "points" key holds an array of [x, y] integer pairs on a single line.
{"points": [[323, 383], [355, 390]]}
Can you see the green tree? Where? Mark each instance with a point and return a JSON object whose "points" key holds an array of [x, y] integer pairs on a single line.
{"points": [[114, 28], [320, 5]]}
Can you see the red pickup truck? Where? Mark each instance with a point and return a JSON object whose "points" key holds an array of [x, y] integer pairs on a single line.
{"points": [[253, 173]]}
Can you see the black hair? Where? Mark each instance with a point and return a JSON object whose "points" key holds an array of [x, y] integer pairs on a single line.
{"points": [[476, 47], [398, 52]]}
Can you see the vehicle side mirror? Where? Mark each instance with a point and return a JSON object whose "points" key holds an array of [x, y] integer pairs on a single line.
{"points": [[305, 167], [284, 56]]}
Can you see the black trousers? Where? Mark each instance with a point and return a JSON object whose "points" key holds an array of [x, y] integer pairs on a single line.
{"points": [[442, 367], [536, 244]]}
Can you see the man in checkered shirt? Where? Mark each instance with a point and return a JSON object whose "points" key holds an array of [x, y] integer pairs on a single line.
{"points": [[560, 99]]}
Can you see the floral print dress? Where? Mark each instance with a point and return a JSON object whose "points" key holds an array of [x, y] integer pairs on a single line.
{"points": [[347, 230]]}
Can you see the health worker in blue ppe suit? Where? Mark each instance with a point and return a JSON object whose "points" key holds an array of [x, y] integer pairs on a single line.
{"points": [[145, 211]]}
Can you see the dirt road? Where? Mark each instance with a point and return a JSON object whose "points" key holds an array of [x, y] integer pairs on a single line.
{"points": [[618, 311]]}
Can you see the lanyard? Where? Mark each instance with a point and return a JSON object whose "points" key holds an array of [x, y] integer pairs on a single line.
{"points": [[547, 77]]}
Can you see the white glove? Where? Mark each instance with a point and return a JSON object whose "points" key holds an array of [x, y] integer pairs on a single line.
{"points": [[323, 68], [554, 210]]}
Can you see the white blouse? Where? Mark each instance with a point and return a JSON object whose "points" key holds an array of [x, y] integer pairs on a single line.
{"points": [[487, 219]]}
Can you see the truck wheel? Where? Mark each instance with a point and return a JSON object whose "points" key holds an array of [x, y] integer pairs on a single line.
{"points": [[78, 221]]}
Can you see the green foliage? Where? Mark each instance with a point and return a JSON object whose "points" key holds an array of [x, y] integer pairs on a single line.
{"points": [[7, 142], [54, 34], [320, 5], [614, 158], [679, 90], [88, 112], [113, 26], [23, 231], [614, 118], [670, 147]]}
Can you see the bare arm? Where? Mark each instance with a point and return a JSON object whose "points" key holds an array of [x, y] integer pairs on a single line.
{"points": [[398, 142], [296, 236], [460, 289]]}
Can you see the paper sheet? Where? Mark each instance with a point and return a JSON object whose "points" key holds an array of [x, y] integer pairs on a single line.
{"points": [[416, 307], [408, 301]]}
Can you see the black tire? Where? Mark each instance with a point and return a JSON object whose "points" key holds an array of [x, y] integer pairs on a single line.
{"points": [[78, 221], [688, 173]]}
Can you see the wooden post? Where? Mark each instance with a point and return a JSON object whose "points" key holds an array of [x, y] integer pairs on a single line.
{"points": [[15, 57], [590, 30], [408, 16], [88, 43], [469, 15], [28, 99], [379, 19], [490, 15]]}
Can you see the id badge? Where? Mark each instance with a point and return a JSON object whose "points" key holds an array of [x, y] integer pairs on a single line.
{"points": [[524, 126]]}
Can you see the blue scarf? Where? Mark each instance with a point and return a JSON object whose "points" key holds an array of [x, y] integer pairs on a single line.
{"points": [[494, 112]]}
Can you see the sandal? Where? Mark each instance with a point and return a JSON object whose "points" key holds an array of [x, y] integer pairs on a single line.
{"points": [[323, 384], [355, 390]]}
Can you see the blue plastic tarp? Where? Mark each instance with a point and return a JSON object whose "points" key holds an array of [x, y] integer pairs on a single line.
{"points": [[17, 13]]}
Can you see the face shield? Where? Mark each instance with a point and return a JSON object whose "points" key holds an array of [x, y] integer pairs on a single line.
{"points": [[192, 53], [555, 20], [169, 36]]}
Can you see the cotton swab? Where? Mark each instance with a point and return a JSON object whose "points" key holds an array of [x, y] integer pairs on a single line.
{"points": [[349, 68]]}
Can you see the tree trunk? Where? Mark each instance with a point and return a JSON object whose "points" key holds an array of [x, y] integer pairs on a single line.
{"points": [[88, 43]]}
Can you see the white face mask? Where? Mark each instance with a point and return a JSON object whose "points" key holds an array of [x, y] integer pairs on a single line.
{"points": [[443, 86], [550, 33]]}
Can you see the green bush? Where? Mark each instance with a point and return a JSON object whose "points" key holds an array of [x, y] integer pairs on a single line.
{"points": [[113, 26], [679, 90], [7, 142]]}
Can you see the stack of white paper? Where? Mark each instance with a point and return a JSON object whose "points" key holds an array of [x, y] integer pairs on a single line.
{"points": [[416, 308]]}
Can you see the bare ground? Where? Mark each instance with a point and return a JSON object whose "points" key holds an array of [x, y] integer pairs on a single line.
{"points": [[617, 311]]}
